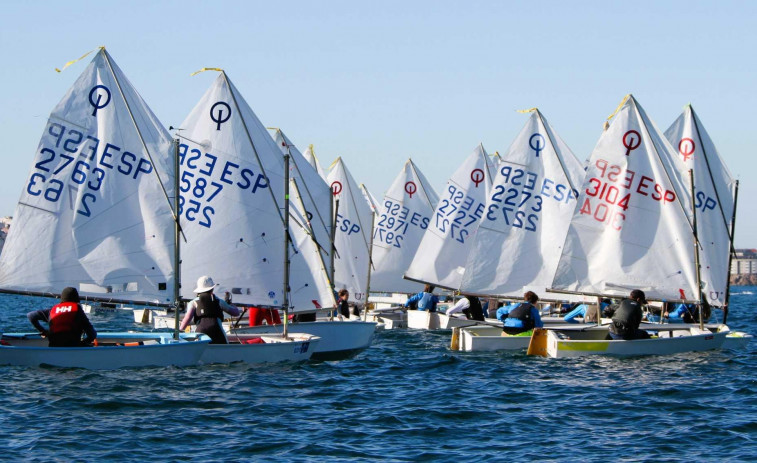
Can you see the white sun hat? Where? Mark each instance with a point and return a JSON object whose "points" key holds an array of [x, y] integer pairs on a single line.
{"points": [[204, 284]]}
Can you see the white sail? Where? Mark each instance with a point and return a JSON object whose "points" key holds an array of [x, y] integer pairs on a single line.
{"points": [[714, 200], [372, 201], [630, 228], [310, 287], [495, 159], [232, 189], [527, 214], [93, 213], [316, 195], [353, 228], [401, 220], [440, 257], [310, 157]]}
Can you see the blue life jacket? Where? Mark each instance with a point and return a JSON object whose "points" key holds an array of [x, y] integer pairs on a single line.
{"points": [[427, 302]]}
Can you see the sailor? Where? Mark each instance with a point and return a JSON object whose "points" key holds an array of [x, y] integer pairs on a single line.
{"points": [[470, 306], [520, 319], [426, 299], [627, 317], [583, 310], [207, 311], [343, 307], [689, 313], [66, 322]]}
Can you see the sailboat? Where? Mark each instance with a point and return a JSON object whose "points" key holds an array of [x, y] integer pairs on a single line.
{"points": [[524, 220], [713, 200], [95, 214], [440, 256], [311, 158], [236, 228], [352, 234], [233, 180], [634, 228]]}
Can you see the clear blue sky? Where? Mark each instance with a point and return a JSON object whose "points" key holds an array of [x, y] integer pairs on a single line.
{"points": [[378, 82]]}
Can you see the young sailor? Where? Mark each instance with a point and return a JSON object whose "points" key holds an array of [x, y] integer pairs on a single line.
{"points": [[627, 317], [470, 306], [426, 299], [521, 319], [207, 311], [343, 307], [581, 311], [66, 322]]}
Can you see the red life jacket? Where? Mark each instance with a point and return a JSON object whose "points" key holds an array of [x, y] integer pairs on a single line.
{"points": [[63, 318]]}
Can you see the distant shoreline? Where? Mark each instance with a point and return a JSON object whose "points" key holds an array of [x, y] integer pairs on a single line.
{"points": [[744, 280]]}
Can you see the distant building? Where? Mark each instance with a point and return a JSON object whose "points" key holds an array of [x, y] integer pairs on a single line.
{"points": [[745, 262]]}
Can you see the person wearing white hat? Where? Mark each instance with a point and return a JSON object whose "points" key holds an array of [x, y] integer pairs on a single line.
{"points": [[207, 311]]}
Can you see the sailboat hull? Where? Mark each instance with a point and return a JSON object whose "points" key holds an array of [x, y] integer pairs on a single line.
{"points": [[338, 339], [560, 345], [299, 347], [115, 350], [424, 320], [486, 338]]}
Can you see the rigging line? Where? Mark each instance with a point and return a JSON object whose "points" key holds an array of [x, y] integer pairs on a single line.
{"points": [[485, 157], [141, 139], [709, 171], [554, 148], [252, 144], [309, 228], [320, 256], [662, 163], [307, 190]]}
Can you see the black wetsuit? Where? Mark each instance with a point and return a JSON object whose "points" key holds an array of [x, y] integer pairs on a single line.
{"points": [[208, 315], [626, 320]]}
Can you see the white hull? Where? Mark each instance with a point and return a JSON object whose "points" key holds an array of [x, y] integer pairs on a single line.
{"points": [[736, 340], [669, 342], [159, 349], [146, 315], [391, 317], [165, 321], [486, 338], [299, 347], [337, 338], [424, 320]]}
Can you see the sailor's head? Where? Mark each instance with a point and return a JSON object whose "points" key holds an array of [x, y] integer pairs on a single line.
{"points": [[204, 285], [69, 295], [428, 289], [531, 297], [639, 296]]}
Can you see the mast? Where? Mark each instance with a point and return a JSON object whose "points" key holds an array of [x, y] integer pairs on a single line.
{"points": [[370, 265], [285, 301], [335, 213], [176, 240], [696, 250], [730, 254]]}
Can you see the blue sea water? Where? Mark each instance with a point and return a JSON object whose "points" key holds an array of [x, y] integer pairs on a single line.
{"points": [[407, 398]]}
